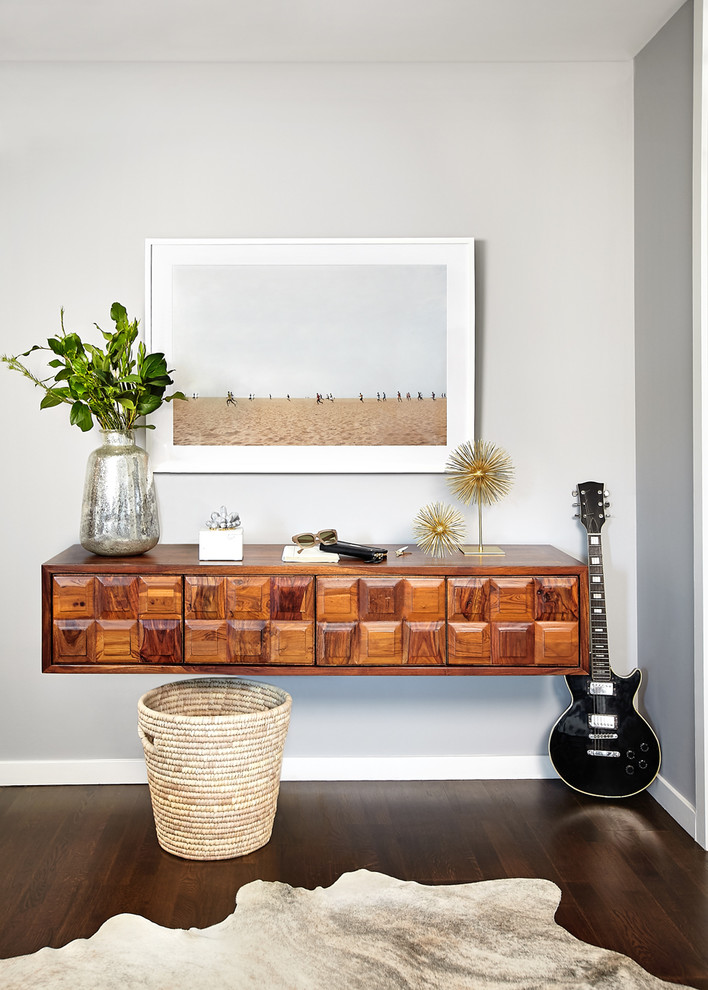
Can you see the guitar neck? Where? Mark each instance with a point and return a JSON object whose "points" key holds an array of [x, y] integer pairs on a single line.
{"points": [[599, 649]]}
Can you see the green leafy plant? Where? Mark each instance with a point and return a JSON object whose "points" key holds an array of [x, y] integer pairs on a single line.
{"points": [[113, 385]]}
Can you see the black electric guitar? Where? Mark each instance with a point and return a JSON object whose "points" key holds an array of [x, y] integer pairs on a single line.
{"points": [[601, 745]]}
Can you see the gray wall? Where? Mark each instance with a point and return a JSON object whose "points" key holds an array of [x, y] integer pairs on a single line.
{"points": [[663, 335], [535, 161]]}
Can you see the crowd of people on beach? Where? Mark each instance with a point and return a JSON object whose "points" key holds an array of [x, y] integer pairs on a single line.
{"points": [[321, 398]]}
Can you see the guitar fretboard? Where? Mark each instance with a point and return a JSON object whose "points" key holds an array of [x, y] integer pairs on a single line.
{"points": [[599, 649]]}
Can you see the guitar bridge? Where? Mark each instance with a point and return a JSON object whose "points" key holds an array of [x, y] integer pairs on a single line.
{"points": [[596, 721], [602, 687]]}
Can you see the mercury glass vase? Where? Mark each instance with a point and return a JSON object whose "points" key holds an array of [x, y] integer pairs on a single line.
{"points": [[119, 511]]}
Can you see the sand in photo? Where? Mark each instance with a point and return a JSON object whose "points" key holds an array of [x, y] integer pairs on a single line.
{"points": [[305, 422]]}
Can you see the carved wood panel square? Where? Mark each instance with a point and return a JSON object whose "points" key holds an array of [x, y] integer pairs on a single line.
{"points": [[557, 643], [248, 597], [204, 597], [468, 599], [292, 598], [556, 599], [117, 596], [336, 643], [161, 641], [117, 641], [469, 642], [513, 643], [512, 599], [424, 642], [424, 598], [73, 596], [381, 599], [338, 599], [205, 641], [292, 642], [160, 597], [380, 642], [74, 640], [247, 641]]}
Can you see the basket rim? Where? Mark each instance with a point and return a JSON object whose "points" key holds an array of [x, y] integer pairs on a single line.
{"points": [[220, 682]]}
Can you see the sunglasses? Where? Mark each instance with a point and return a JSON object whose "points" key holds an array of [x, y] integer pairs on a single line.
{"points": [[305, 540]]}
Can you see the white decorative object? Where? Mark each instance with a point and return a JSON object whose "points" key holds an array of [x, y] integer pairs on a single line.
{"points": [[221, 544], [308, 555]]}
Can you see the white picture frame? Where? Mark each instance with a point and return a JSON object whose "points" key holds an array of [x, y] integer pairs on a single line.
{"points": [[194, 286]]}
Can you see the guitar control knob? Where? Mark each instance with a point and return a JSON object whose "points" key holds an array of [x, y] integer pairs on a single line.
{"points": [[629, 769], [630, 754], [643, 764], [644, 747]]}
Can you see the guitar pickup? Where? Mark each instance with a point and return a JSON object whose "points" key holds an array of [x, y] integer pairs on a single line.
{"points": [[602, 735], [603, 752], [602, 687], [596, 721]]}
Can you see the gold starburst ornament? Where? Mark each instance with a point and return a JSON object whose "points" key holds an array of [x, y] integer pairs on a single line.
{"points": [[479, 471], [439, 529]]}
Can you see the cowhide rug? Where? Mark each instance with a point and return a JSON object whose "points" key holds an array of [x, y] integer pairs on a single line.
{"points": [[367, 931]]}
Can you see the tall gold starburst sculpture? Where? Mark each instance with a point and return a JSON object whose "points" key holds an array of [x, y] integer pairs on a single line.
{"points": [[481, 472], [439, 529]]}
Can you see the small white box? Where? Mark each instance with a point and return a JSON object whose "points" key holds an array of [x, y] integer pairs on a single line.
{"points": [[221, 544]]}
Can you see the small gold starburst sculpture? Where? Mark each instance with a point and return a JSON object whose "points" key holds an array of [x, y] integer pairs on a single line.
{"points": [[439, 529], [481, 472]]}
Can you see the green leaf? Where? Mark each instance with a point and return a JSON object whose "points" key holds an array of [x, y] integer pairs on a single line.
{"points": [[119, 314], [73, 345], [49, 400], [154, 366], [81, 416], [37, 347], [148, 404]]}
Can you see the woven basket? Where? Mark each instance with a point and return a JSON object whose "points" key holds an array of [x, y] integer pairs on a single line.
{"points": [[214, 751]]}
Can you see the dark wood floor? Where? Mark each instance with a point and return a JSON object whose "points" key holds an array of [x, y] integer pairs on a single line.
{"points": [[631, 879]]}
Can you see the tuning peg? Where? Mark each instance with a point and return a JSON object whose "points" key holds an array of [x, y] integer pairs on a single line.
{"points": [[576, 505], [606, 493], [607, 505], [574, 493], [576, 516]]}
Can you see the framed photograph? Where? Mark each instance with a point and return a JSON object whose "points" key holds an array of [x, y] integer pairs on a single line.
{"points": [[312, 355]]}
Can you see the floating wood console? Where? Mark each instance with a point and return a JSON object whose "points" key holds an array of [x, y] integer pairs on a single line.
{"points": [[167, 611]]}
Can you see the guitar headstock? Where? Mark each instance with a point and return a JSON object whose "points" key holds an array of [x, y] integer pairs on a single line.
{"points": [[591, 500]]}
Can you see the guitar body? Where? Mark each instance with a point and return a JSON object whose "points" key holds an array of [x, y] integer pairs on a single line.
{"points": [[580, 752], [601, 745]]}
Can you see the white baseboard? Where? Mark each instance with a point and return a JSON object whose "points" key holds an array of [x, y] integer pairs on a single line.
{"points": [[27, 773], [417, 768], [681, 810], [48, 772]]}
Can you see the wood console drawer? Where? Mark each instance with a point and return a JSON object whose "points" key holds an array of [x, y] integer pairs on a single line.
{"points": [[375, 621], [116, 619], [254, 620], [514, 621]]}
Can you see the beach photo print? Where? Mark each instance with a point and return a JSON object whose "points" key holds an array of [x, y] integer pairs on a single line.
{"points": [[311, 355]]}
